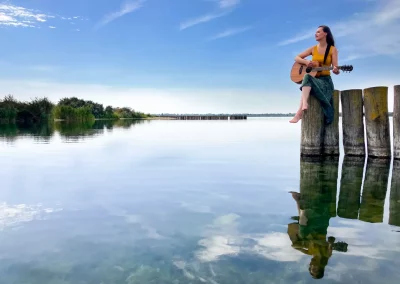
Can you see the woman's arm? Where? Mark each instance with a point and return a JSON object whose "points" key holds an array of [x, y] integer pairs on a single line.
{"points": [[335, 60], [300, 57]]}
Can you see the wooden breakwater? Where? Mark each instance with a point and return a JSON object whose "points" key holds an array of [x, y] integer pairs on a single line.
{"points": [[205, 117], [365, 125]]}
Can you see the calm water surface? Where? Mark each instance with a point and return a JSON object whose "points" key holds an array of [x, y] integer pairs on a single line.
{"points": [[191, 202]]}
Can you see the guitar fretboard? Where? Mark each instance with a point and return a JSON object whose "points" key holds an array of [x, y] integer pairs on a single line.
{"points": [[323, 68], [328, 68]]}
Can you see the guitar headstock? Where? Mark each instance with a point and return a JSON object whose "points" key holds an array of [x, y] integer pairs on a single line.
{"points": [[346, 68]]}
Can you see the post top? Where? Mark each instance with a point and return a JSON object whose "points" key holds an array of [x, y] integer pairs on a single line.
{"points": [[376, 87], [347, 90]]}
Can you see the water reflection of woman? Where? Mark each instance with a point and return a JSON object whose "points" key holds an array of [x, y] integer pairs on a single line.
{"points": [[308, 235]]}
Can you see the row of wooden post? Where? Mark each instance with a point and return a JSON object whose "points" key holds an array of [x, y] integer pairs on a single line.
{"points": [[318, 139]]}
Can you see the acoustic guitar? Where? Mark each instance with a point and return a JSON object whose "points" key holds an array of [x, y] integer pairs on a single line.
{"points": [[300, 70]]}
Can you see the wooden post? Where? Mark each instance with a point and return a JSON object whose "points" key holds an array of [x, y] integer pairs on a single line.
{"points": [[377, 122], [396, 122], [374, 191], [312, 129], [331, 133], [394, 207], [353, 122], [350, 187]]}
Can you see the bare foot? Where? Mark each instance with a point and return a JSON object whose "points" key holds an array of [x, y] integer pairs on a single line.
{"points": [[296, 118], [305, 107]]}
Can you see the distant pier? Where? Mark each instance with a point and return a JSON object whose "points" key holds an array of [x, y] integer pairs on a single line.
{"points": [[204, 117]]}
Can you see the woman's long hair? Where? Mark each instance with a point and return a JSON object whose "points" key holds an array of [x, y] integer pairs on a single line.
{"points": [[329, 37], [329, 40]]}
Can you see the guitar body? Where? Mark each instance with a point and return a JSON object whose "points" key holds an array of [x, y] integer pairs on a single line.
{"points": [[299, 71]]}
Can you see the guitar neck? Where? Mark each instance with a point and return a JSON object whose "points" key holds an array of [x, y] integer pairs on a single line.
{"points": [[324, 68]]}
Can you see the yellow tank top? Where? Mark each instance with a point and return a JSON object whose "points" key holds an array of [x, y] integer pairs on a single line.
{"points": [[320, 58]]}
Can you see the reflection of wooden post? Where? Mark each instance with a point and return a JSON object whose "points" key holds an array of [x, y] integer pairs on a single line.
{"points": [[350, 187], [331, 134], [353, 122], [312, 129], [330, 169], [394, 207], [318, 184], [396, 122], [374, 192], [310, 168], [377, 122]]}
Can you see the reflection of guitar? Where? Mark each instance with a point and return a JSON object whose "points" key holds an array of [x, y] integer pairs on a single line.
{"points": [[299, 70]]}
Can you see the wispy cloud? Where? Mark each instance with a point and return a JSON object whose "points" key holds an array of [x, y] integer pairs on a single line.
{"points": [[228, 3], [16, 16], [231, 32], [224, 8], [364, 34], [43, 68], [298, 37], [126, 8], [202, 19]]}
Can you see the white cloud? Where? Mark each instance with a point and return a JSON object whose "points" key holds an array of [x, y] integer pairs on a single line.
{"points": [[202, 19], [228, 3], [17, 16], [224, 238], [224, 8], [297, 38], [231, 32], [126, 8], [43, 68], [364, 34], [14, 215], [11, 15]]}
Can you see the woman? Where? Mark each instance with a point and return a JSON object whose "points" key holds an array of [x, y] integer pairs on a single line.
{"points": [[321, 86]]}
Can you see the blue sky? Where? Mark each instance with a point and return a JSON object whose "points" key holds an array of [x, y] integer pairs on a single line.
{"points": [[189, 55]]}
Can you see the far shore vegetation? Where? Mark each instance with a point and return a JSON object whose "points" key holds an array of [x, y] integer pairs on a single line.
{"points": [[70, 109]]}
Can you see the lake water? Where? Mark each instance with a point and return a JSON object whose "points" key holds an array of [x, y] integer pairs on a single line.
{"points": [[191, 202]]}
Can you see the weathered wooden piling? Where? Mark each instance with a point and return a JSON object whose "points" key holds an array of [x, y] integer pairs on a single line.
{"points": [[377, 122], [394, 205], [350, 187], [312, 129], [331, 133], [353, 122], [374, 191], [396, 122]]}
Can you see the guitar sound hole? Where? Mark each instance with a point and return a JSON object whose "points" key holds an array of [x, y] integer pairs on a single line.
{"points": [[301, 70]]}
